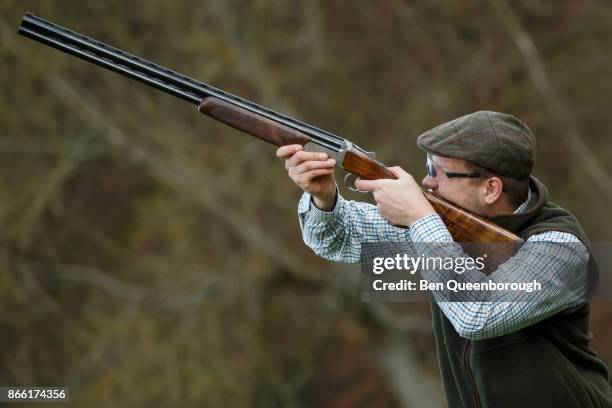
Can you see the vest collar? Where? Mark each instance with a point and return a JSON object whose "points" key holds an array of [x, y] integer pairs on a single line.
{"points": [[538, 199]]}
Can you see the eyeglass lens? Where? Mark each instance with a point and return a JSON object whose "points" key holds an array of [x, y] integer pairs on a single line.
{"points": [[431, 169]]}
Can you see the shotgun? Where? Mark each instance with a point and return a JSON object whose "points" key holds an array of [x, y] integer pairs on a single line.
{"points": [[260, 122]]}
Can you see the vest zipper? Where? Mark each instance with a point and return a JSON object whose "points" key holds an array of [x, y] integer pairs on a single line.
{"points": [[468, 373]]}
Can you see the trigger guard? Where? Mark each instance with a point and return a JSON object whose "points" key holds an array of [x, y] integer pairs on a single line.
{"points": [[347, 180]]}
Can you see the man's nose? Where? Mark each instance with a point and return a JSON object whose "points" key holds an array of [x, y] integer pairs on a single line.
{"points": [[429, 183]]}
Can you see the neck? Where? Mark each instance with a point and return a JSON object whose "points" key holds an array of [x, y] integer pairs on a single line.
{"points": [[501, 208], [504, 207]]}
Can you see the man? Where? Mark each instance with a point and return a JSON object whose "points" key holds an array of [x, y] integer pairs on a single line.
{"points": [[491, 354]]}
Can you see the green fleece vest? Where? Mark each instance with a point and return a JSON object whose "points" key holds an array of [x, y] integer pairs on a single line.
{"points": [[549, 364]]}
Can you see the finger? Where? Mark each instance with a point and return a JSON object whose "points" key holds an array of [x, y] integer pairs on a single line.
{"points": [[398, 171], [285, 152], [368, 185], [303, 156], [312, 174], [311, 165]]}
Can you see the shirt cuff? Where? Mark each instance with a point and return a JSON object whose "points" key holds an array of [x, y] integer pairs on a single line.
{"points": [[430, 228], [307, 207]]}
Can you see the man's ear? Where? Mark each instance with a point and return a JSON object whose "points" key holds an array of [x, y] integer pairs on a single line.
{"points": [[494, 186]]}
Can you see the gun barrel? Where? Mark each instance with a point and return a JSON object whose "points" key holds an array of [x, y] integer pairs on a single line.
{"points": [[155, 75]]}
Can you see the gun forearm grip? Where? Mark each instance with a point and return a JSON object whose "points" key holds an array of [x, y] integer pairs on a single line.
{"points": [[251, 123]]}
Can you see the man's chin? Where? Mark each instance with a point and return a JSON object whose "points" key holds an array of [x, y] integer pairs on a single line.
{"points": [[477, 208]]}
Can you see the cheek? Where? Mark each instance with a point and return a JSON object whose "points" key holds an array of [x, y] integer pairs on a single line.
{"points": [[476, 205], [449, 190]]}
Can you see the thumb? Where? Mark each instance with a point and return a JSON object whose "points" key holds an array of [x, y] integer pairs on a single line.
{"points": [[285, 152]]}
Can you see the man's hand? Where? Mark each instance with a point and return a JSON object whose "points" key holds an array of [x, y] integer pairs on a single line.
{"points": [[312, 172], [401, 201]]}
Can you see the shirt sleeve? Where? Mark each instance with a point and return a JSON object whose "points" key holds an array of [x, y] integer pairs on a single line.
{"points": [[557, 258], [337, 235]]}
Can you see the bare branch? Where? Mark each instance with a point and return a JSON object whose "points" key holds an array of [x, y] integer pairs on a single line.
{"points": [[546, 91]]}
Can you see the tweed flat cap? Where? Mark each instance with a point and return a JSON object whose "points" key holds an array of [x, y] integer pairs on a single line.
{"points": [[496, 141]]}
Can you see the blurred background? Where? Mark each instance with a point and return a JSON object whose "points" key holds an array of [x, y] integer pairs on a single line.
{"points": [[150, 255]]}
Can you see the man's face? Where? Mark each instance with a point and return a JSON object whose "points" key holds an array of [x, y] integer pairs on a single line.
{"points": [[462, 191]]}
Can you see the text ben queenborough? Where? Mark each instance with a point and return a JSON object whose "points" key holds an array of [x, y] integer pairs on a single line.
{"points": [[412, 264]]}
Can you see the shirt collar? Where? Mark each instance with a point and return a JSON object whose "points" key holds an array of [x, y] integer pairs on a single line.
{"points": [[521, 208]]}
